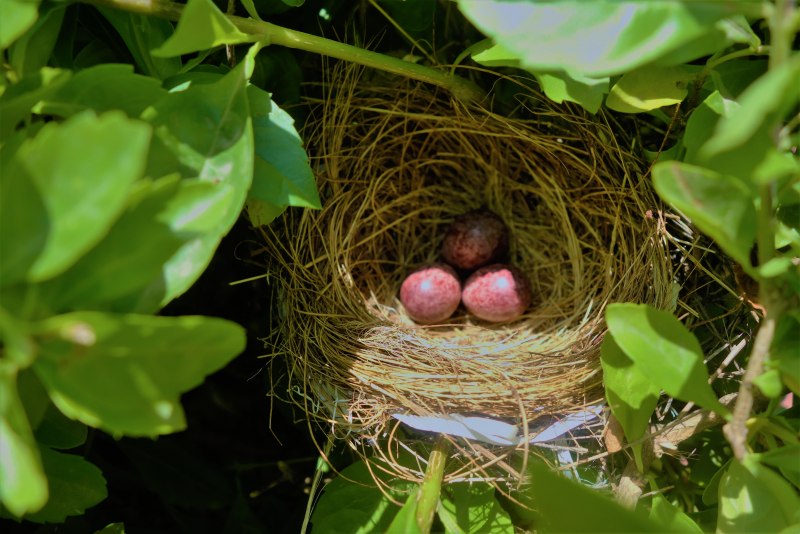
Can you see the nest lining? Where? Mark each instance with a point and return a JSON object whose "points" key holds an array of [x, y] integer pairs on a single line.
{"points": [[395, 164]]}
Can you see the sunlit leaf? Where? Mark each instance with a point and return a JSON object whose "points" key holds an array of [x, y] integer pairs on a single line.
{"points": [[663, 350], [282, 174], [649, 88], [598, 38], [75, 176], [743, 140], [473, 507], [672, 519], [205, 130], [33, 50], [702, 121], [720, 206], [753, 498], [125, 373], [786, 460], [23, 486], [405, 520], [201, 26], [352, 503], [631, 395], [102, 88], [17, 17], [566, 506]]}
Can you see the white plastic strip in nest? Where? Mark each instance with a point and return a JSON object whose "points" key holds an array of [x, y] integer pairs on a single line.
{"points": [[497, 432]]}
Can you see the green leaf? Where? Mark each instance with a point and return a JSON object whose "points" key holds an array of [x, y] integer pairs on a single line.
{"points": [[74, 177], [769, 382], [733, 77], [18, 100], [282, 175], [74, 483], [753, 498], [566, 506], [672, 519], [702, 122], [103, 88], [33, 50], [473, 507], [558, 86], [631, 395], [664, 350], [57, 431], [142, 34], [649, 88], [784, 354], [785, 459], [162, 216], [125, 373], [353, 504], [17, 17], [743, 140], [207, 130], [201, 26], [720, 206], [405, 520], [600, 38], [23, 486]]}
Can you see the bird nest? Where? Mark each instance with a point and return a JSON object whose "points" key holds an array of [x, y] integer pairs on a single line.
{"points": [[396, 161]]}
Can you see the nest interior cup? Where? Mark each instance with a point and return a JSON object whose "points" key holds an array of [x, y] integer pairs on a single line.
{"points": [[395, 163]]}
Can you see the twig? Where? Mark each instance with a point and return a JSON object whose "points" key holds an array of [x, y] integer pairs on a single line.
{"points": [[461, 88], [736, 430]]}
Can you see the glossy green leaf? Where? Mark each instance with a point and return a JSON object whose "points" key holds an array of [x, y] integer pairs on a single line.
{"points": [[599, 38], [58, 431], [17, 16], [282, 174], [33, 50], [566, 506], [103, 88], [753, 498], [162, 217], [733, 77], [720, 206], [75, 176], [631, 395], [405, 520], [473, 507], [142, 34], [784, 355], [649, 88], [207, 130], [672, 519], [125, 373], [201, 26], [786, 459], [75, 485], [558, 86], [663, 350], [743, 140], [353, 504], [23, 486], [711, 492], [702, 122], [250, 7]]}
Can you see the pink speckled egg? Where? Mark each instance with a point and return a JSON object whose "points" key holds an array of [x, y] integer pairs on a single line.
{"points": [[497, 293], [431, 294], [475, 239]]}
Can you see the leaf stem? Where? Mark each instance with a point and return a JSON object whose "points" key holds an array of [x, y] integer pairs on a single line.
{"points": [[431, 486], [461, 88]]}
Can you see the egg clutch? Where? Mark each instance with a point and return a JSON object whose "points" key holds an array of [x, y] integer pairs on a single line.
{"points": [[474, 248]]}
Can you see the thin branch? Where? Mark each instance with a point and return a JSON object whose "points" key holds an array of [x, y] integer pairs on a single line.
{"points": [[273, 34]]}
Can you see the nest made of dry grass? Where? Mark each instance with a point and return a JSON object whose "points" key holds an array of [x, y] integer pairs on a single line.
{"points": [[395, 162]]}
